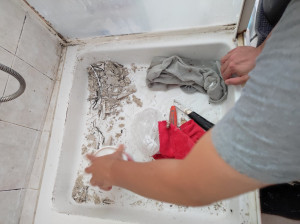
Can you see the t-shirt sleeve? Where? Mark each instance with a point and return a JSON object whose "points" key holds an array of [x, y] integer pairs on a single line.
{"points": [[260, 135]]}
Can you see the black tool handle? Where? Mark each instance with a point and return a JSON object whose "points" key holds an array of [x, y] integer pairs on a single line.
{"points": [[201, 121]]}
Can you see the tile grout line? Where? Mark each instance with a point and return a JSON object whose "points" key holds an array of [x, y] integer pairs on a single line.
{"points": [[14, 54], [34, 68], [18, 48], [14, 189], [59, 73], [6, 50], [19, 125], [25, 62], [20, 35]]}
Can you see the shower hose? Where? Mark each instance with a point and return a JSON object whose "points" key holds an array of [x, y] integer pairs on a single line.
{"points": [[19, 78]]}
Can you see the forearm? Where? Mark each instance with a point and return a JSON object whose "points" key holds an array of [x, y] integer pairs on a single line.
{"points": [[161, 180], [200, 179], [195, 181]]}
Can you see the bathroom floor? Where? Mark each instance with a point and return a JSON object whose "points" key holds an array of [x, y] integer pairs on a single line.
{"points": [[36, 58]]}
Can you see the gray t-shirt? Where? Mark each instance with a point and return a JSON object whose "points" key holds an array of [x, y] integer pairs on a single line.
{"points": [[260, 136]]}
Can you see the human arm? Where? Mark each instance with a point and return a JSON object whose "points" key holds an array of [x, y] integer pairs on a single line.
{"points": [[200, 179], [239, 62], [258, 137]]}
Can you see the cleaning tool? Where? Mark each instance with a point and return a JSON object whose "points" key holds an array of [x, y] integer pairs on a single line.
{"points": [[201, 121]]}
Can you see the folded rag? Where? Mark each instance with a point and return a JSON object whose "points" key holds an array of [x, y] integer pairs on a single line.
{"points": [[177, 142], [190, 75]]}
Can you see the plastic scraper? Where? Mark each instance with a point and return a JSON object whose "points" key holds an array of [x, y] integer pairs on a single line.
{"points": [[201, 121], [172, 117]]}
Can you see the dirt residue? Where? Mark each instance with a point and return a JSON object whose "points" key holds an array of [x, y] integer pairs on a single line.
{"points": [[110, 88], [84, 150], [80, 191], [138, 101], [182, 121], [137, 203], [133, 67], [108, 85], [108, 201], [96, 199]]}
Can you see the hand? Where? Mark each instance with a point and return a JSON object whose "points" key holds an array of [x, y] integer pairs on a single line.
{"points": [[101, 168], [239, 61]]}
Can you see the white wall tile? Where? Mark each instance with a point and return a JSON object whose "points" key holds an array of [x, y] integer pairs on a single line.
{"points": [[17, 146], [29, 205], [11, 22], [30, 108], [10, 206], [39, 48], [6, 58]]}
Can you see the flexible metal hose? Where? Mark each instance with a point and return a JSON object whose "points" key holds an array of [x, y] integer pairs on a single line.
{"points": [[19, 78]]}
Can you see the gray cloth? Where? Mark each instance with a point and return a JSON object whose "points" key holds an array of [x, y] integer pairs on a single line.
{"points": [[260, 136], [190, 75]]}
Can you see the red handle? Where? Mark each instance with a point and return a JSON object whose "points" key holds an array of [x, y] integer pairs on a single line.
{"points": [[173, 116]]}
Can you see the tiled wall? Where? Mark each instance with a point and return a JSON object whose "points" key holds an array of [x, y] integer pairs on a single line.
{"points": [[27, 46]]}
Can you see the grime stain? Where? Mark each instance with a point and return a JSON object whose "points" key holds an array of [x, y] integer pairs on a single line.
{"points": [[96, 199], [137, 101], [80, 191]]}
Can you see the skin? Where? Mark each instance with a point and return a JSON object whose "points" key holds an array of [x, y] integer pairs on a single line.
{"points": [[202, 178], [237, 63]]}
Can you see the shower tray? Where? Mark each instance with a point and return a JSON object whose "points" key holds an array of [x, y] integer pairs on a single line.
{"points": [[66, 159]]}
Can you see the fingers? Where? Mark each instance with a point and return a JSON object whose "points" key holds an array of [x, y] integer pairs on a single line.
{"points": [[119, 152], [230, 69], [106, 188], [88, 169], [102, 186], [93, 182], [237, 80], [91, 157], [227, 56], [129, 158], [224, 68], [121, 148]]}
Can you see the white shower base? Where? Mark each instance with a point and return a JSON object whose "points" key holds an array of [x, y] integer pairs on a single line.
{"points": [[65, 160]]}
